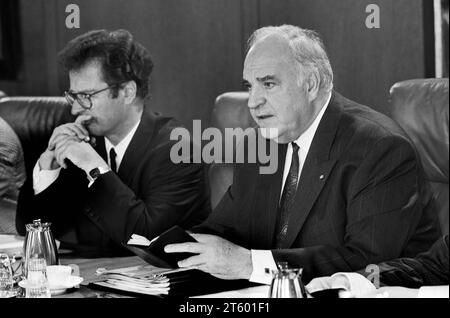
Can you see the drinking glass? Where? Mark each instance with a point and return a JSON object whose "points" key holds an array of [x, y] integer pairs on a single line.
{"points": [[37, 282]]}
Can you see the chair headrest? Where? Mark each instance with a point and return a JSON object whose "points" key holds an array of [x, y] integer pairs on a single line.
{"points": [[33, 120], [231, 111], [421, 108]]}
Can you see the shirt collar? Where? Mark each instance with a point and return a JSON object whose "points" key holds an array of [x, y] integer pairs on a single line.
{"points": [[305, 139], [122, 146]]}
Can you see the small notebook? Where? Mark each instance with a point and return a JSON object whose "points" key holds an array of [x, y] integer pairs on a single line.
{"points": [[153, 251]]}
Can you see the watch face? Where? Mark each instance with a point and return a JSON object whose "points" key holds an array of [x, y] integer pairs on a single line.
{"points": [[94, 173]]}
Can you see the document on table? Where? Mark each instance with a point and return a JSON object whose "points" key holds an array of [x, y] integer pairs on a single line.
{"points": [[142, 279]]}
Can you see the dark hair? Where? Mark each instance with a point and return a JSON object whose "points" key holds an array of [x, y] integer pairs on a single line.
{"points": [[121, 58]]}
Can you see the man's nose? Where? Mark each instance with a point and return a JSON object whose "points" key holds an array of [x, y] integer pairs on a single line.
{"points": [[255, 98], [76, 109]]}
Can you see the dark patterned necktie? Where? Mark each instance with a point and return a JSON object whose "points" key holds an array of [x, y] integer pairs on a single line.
{"points": [[287, 198], [112, 159]]}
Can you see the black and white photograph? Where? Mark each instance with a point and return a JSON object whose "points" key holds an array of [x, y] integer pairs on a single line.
{"points": [[219, 155]]}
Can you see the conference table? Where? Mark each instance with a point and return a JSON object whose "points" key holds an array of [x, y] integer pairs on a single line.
{"points": [[87, 268]]}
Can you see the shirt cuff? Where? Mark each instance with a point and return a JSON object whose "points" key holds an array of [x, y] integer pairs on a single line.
{"points": [[433, 292], [262, 259], [42, 179], [355, 283]]}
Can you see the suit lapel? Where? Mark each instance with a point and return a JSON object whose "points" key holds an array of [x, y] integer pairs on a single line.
{"points": [[316, 169], [99, 146], [140, 143]]}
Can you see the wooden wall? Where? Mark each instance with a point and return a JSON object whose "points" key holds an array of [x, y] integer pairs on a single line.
{"points": [[366, 62], [198, 45]]}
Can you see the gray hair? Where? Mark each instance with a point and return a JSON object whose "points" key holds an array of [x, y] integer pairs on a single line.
{"points": [[307, 48]]}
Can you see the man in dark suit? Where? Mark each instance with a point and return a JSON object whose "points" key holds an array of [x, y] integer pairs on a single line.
{"points": [[348, 190], [426, 275], [109, 174], [428, 268]]}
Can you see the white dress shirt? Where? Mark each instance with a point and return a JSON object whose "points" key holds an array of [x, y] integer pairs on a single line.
{"points": [[42, 179], [262, 259], [121, 147]]}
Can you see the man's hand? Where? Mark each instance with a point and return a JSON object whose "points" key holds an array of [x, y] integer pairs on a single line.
{"points": [[47, 160], [75, 129], [79, 152], [216, 256]]}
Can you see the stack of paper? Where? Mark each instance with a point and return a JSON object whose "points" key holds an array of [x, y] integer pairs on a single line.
{"points": [[143, 279]]}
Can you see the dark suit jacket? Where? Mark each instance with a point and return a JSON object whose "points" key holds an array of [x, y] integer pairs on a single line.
{"points": [[148, 195], [360, 197], [426, 269]]}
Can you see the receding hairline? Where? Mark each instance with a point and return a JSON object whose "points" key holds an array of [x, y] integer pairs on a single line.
{"points": [[282, 44], [306, 47]]}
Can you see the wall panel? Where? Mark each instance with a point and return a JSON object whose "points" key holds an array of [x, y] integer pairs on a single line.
{"points": [[198, 45], [366, 61]]}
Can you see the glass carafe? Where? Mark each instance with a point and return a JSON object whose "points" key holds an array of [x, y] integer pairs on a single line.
{"points": [[39, 243], [286, 282]]}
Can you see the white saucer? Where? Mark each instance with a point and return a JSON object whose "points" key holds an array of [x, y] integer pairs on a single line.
{"points": [[61, 289]]}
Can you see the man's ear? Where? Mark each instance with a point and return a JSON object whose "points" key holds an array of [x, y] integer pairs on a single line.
{"points": [[313, 84], [129, 92]]}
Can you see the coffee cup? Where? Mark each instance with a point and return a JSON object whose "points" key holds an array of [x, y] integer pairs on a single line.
{"points": [[58, 275]]}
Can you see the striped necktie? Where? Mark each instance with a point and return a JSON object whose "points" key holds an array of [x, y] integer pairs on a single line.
{"points": [[287, 199]]}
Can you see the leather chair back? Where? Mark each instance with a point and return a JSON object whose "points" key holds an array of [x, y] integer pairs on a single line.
{"points": [[33, 120], [421, 109], [230, 111]]}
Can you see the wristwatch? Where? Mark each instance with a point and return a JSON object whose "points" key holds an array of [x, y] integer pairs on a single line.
{"points": [[94, 173]]}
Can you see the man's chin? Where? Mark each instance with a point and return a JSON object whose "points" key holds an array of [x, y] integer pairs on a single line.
{"points": [[270, 133], [93, 129]]}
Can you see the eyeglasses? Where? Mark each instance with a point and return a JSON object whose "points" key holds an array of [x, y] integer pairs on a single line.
{"points": [[84, 99]]}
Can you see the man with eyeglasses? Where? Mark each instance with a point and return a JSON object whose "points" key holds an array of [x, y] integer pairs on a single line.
{"points": [[108, 175]]}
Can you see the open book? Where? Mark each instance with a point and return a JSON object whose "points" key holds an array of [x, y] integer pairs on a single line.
{"points": [[153, 251]]}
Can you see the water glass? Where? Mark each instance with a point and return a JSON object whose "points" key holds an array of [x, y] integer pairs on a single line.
{"points": [[37, 282], [6, 277]]}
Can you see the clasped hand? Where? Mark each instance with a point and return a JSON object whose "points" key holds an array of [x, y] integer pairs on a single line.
{"points": [[215, 256], [69, 141]]}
